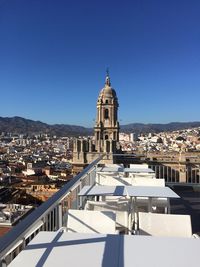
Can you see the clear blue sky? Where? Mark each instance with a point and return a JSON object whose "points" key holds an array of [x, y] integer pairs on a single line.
{"points": [[53, 57]]}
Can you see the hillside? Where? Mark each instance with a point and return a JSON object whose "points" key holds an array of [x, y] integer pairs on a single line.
{"points": [[26, 126]]}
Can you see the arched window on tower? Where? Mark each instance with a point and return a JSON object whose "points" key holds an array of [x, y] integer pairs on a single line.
{"points": [[106, 137], [106, 113], [106, 101]]}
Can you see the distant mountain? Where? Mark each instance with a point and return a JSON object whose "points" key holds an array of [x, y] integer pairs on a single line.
{"points": [[156, 128], [20, 125]]}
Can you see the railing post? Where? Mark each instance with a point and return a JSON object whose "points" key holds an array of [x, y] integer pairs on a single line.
{"points": [[163, 172], [53, 219], [43, 226], [56, 221], [23, 243], [89, 178], [81, 198], [3, 263], [50, 217], [76, 198], [60, 215]]}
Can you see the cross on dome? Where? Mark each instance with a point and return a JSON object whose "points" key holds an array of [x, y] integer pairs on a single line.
{"points": [[107, 78]]}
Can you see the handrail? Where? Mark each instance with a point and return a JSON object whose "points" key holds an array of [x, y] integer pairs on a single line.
{"points": [[18, 232]]}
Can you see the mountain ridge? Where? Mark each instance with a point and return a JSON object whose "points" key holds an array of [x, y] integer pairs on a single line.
{"points": [[21, 125]]}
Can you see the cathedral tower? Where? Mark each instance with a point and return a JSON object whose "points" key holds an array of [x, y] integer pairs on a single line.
{"points": [[107, 125], [106, 132]]}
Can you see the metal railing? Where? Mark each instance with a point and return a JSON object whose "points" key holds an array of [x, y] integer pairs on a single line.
{"points": [[168, 173], [50, 216], [193, 175]]}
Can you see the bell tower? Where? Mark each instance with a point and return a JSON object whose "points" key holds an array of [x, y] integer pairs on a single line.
{"points": [[107, 125], [106, 132]]}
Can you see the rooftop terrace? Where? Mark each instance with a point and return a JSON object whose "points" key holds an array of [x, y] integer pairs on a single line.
{"points": [[109, 216]]}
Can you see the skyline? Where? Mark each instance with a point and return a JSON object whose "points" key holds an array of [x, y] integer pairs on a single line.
{"points": [[54, 57]]}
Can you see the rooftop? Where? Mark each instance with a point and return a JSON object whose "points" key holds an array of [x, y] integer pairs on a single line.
{"points": [[108, 217]]}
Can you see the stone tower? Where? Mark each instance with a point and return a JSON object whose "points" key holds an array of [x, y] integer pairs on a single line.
{"points": [[107, 125], [106, 132]]}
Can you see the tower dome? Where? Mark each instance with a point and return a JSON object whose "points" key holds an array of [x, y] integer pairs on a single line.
{"points": [[107, 92]]}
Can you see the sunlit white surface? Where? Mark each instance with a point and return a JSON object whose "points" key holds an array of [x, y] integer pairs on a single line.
{"points": [[50, 249], [151, 191], [103, 190]]}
